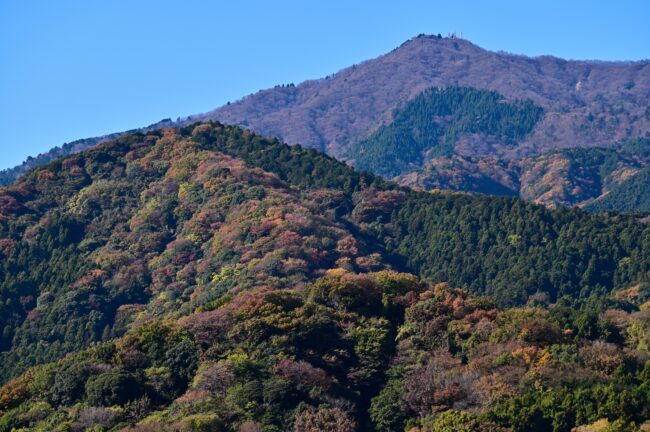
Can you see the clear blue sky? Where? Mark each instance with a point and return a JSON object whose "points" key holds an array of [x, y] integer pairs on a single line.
{"points": [[75, 69]]}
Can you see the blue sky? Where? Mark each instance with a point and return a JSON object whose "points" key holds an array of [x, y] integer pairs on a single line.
{"points": [[75, 69]]}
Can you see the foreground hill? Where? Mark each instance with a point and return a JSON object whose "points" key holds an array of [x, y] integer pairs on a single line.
{"points": [[206, 278], [375, 352], [354, 114]]}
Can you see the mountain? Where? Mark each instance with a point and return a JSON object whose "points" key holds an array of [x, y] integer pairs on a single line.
{"points": [[585, 103], [208, 278], [567, 104], [420, 147]]}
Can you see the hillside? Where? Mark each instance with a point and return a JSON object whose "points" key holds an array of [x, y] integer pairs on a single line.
{"points": [[632, 195], [573, 104], [9, 175], [571, 177], [432, 124], [430, 141], [374, 352], [206, 278]]}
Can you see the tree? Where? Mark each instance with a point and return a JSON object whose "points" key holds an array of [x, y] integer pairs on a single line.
{"points": [[323, 419], [112, 388]]}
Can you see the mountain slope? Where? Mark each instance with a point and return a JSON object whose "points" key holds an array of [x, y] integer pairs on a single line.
{"points": [[9, 175], [88, 240], [375, 352], [164, 223], [432, 123], [633, 195], [570, 177], [586, 103], [206, 278]]}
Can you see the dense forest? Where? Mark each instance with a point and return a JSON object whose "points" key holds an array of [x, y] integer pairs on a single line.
{"points": [[380, 351], [432, 122], [632, 195], [513, 250], [207, 278]]}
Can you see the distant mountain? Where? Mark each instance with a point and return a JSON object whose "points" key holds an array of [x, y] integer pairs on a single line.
{"points": [[586, 103], [558, 104]]}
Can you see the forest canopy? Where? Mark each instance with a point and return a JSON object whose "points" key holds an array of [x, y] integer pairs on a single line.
{"points": [[207, 278]]}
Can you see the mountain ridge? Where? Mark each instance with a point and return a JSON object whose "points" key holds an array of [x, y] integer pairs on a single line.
{"points": [[587, 103], [421, 58]]}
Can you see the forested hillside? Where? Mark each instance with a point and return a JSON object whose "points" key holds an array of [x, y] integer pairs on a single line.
{"points": [[207, 278], [632, 195], [578, 177], [431, 124], [380, 351]]}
